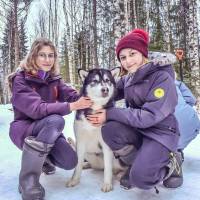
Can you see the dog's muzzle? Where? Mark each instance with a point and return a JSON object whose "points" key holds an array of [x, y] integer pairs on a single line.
{"points": [[105, 91]]}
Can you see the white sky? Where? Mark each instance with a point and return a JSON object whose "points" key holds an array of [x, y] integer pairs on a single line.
{"points": [[32, 18]]}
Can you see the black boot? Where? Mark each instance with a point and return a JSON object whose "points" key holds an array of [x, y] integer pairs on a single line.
{"points": [[124, 181], [33, 157], [174, 178], [126, 155], [48, 167]]}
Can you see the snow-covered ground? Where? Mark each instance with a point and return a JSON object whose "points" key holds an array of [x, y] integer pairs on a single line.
{"points": [[89, 188]]}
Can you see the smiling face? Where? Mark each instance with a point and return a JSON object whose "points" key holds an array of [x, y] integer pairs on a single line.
{"points": [[131, 59], [45, 58]]}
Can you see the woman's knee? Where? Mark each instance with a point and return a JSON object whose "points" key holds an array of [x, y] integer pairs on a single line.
{"points": [[110, 133], [56, 121], [50, 129]]}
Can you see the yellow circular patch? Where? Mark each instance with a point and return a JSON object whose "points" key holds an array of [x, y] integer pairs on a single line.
{"points": [[159, 93]]}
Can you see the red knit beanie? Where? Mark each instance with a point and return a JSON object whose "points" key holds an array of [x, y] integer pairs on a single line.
{"points": [[137, 39]]}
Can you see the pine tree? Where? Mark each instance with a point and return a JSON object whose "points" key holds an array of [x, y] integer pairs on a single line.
{"points": [[156, 28], [7, 47], [65, 59], [23, 41]]}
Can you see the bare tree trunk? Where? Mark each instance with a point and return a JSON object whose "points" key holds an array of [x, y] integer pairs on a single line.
{"points": [[147, 7], [89, 38], [127, 7], [95, 33], [70, 11], [134, 14], [119, 20], [193, 43], [16, 36], [66, 59], [165, 8], [56, 23], [50, 16], [68, 37], [41, 24]]}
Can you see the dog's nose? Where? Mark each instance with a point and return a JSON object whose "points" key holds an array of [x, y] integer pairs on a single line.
{"points": [[105, 90]]}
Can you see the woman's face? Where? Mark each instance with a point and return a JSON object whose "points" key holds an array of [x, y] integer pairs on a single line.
{"points": [[45, 58], [131, 59]]}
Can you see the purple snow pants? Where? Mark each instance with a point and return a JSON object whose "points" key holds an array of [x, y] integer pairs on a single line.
{"points": [[149, 166], [49, 130]]}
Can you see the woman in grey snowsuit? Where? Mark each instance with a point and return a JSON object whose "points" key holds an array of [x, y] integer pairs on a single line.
{"points": [[40, 99], [145, 135]]}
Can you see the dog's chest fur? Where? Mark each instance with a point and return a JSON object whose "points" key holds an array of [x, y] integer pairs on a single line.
{"points": [[88, 134]]}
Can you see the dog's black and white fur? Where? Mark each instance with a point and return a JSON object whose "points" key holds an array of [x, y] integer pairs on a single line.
{"points": [[99, 85]]}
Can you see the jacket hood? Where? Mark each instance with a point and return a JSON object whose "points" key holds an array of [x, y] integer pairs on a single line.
{"points": [[150, 68]]}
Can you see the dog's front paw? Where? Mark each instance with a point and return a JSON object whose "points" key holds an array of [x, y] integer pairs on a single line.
{"points": [[107, 187], [72, 182]]}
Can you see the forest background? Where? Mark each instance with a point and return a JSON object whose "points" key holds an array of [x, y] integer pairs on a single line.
{"points": [[86, 31]]}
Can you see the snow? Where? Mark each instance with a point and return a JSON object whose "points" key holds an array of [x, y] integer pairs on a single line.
{"points": [[91, 180]]}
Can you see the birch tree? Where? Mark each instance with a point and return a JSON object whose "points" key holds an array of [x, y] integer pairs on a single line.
{"points": [[192, 41], [94, 26], [73, 16], [120, 21], [165, 7]]}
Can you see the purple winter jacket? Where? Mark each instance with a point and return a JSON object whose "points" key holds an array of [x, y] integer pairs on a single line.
{"points": [[152, 98], [34, 98]]}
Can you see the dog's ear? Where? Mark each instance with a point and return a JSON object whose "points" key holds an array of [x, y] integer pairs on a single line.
{"points": [[82, 73], [115, 72]]}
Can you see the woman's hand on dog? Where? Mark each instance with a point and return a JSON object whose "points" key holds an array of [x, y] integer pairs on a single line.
{"points": [[98, 118], [82, 103]]}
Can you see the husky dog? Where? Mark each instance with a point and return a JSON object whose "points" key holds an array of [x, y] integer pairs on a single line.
{"points": [[99, 85]]}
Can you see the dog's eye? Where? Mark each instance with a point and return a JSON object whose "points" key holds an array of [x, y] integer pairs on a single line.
{"points": [[95, 81], [107, 80]]}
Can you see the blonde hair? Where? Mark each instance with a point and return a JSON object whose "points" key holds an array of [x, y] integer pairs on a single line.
{"points": [[29, 65]]}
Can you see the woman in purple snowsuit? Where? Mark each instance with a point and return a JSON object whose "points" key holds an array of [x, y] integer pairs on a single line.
{"points": [[40, 99], [143, 136]]}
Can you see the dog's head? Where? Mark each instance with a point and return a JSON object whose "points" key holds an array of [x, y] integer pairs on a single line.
{"points": [[99, 84]]}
